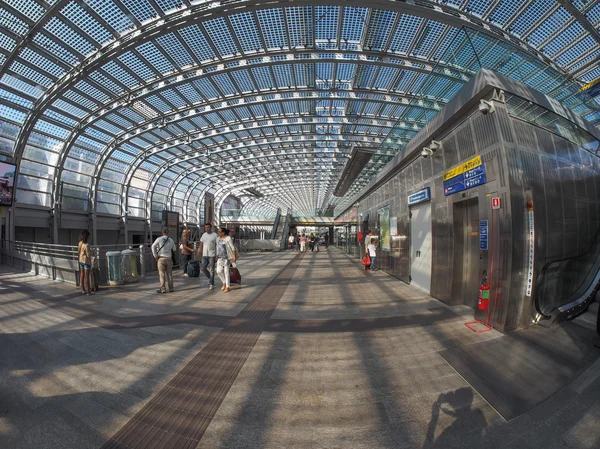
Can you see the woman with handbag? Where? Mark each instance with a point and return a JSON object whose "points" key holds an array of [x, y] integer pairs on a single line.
{"points": [[225, 255]]}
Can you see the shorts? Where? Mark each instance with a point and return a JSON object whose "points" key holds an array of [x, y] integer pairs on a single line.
{"points": [[85, 266]]}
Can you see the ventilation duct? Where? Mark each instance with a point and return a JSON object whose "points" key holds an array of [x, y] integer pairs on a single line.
{"points": [[358, 159]]}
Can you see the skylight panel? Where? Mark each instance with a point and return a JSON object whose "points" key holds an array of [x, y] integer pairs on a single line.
{"points": [[89, 144], [59, 51], [300, 20], [283, 75], [243, 112], [263, 77], [219, 33], [243, 80], [478, 7], [258, 110], [531, 15], [48, 128], [169, 5], [30, 74], [155, 57], [98, 135], [200, 122], [246, 31], [207, 89], [27, 54], [112, 14], [65, 34], [107, 126], [130, 149], [228, 115], [135, 64], [567, 36], [78, 16], [173, 47], [272, 24], [196, 40], [380, 27], [553, 23], [21, 86], [364, 75], [13, 23], [107, 83], [504, 11], [591, 76], [63, 105], [593, 15], [430, 35], [31, 9], [225, 85], [172, 97], [274, 109], [384, 78], [445, 45], [590, 57], [576, 51], [405, 32], [141, 10], [117, 72], [353, 24], [302, 74], [6, 42]]}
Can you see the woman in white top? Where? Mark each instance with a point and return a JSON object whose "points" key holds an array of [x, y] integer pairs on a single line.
{"points": [[225, 255], [372, 253]]}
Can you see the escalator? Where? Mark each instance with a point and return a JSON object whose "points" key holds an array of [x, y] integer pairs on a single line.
{"points": [[276, 224], [566, 287]]}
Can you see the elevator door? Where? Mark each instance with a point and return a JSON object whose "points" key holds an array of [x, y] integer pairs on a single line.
{"points": [[467, 265], [420, 244]]}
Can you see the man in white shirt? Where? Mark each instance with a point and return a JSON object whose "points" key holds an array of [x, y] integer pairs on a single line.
{"points": [[208, 248], [162, 250]]}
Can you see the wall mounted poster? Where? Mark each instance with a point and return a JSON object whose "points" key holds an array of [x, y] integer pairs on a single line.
{"points": [[7, 183], [394, 226], [384, 228]]}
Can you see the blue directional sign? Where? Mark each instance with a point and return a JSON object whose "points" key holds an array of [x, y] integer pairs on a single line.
{"points": [[467, 180], [420, 197], [483, 235]]}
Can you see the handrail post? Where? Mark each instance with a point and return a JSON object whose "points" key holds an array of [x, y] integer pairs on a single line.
{"points": [[143, 267]]}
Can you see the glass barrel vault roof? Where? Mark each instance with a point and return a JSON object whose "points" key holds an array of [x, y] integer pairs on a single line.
{"points": [[137, 105]]}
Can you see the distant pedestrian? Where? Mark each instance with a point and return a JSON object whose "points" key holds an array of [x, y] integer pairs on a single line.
{"points": [[297, 242], [208, 249], [372, 253], [291, 241], [303, 243], [186, 250], [326, 241], [225, 255], [85, 262], [163, 249], [317, 242], [311, 241]]}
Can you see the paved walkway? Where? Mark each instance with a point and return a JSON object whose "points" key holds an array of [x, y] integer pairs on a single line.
{"points": [[311, 352]]}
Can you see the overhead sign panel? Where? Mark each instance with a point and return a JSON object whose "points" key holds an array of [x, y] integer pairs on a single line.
{"points": [[592, 89], [465, 176]]}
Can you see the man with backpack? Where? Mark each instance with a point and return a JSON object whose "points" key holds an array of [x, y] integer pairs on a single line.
{"points": [[163, 250]]}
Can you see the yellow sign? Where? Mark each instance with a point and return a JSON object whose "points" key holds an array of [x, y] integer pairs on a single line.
{"points": [[469, 165], [588, 85]]}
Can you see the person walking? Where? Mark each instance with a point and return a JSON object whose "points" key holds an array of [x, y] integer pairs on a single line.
{"points": [[366, 245], [311, 241], [225, 255], [303, 243], [317, 242], [208, 249], [186, 250], [372, 253], [297, 242], [85, 263], [291, 241], [163, 250]]}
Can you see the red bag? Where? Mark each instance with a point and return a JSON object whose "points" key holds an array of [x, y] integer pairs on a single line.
{"points": [[234, 275], [366, 260]]}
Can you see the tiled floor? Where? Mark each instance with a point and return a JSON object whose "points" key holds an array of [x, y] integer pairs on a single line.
{"points": [[346, 360]]}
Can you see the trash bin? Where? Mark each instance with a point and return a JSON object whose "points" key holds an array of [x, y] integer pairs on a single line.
{"points": [[130, 273], [114, 264]]}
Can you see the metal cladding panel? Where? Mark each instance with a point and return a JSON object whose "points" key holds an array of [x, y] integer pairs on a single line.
{"points": [[583, 219], [544, 141], [486, 132], [465, 142], [554, 223], [443, 244], [450, 151], [504, 121], [426, 166], [525, 134]]}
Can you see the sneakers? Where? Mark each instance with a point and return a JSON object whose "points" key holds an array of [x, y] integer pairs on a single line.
{"points": [[211, 287], [160, 291]]}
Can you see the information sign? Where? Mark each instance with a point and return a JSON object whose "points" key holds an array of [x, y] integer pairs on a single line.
{"points": [[483, 235], [420, 197], [496, 202], [466, 176]]}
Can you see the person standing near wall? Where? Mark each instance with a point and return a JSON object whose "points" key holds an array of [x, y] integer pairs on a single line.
{"points": [[366, 245], [372, 253], [163, 249], [186, 250], [208, 249], [225, 255], [85, 262]]}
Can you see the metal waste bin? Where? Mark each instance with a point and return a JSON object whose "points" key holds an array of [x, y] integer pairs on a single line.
{"points": [[130, 273], [114, 265]]}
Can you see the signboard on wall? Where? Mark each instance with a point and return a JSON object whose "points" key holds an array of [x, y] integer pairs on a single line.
{"points": [[170, 219], [7, 183], [420, 197], [483, 235], [384, 228], [209, 208], [465, 176], [394, 226]]}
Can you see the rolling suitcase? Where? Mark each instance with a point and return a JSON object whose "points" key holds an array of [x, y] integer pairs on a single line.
{"points": [[193, 268], [234, 275]]}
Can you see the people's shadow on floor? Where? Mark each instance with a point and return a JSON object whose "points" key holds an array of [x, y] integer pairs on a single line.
{"points": [[458, 405]]}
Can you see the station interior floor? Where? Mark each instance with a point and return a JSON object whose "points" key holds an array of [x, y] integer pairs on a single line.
{"points": [[310, 352]]}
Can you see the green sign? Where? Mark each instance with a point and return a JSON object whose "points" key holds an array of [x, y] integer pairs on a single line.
{"points": [[384, 228]]}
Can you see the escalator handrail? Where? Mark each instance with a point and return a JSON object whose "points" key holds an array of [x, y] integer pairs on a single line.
{"points": [[548, 264]]}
